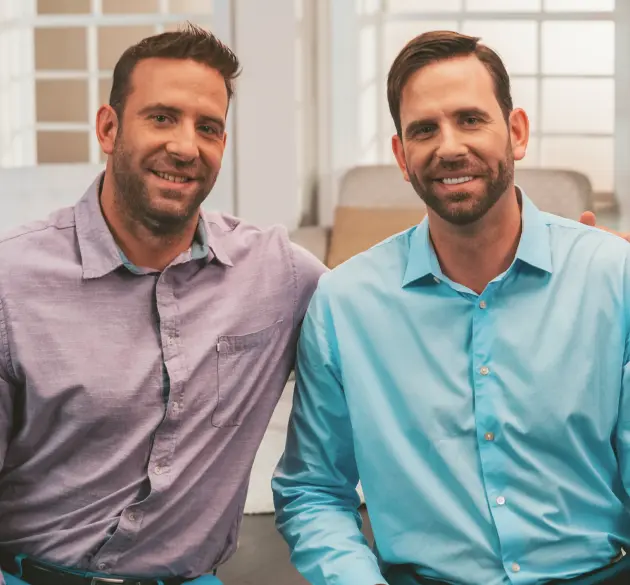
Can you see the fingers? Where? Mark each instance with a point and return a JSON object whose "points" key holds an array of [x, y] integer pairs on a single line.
{"points": [[588, 218]]}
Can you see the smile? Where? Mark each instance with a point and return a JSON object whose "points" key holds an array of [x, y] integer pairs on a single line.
{"points": [[456, 180], [172, 178]]}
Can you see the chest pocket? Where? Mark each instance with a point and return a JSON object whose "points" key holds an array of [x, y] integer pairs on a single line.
{"points": [[245, 366]]}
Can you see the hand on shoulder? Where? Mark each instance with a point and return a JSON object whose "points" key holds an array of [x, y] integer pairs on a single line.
{"points": [[588, 218]]}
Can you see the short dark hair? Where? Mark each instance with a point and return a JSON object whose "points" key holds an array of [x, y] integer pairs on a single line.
{"points": [[434, 46], [191, 42]]}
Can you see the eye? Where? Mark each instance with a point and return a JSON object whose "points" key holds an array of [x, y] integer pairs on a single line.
{"points": [[424, 131], [471, 120], [159, 118], [208, 129]]}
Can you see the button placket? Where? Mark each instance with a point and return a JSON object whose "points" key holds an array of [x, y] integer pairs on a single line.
{"points": [[487, 404]]}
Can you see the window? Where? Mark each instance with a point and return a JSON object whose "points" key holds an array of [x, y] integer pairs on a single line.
{"points": [[56, 61], [566, 85]]}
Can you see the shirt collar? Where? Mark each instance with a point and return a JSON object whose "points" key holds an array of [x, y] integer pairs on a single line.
{"points": [[100, 254], [534, 247]]}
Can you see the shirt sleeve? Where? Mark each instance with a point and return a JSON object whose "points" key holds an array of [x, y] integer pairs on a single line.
{"points": [[10, 580], [623, 425], [7, 398], [622, 435], [315, 482]]}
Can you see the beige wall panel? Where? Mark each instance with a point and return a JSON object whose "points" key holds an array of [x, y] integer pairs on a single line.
{"points": [[63, 6], [113, 40], [64, 100], [62, 147], [104, 87], [194, 6], [60, 48], [127, 7]]}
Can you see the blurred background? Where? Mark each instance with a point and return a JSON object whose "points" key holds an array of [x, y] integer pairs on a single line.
{"points": [[309, 130], [311, 103]]}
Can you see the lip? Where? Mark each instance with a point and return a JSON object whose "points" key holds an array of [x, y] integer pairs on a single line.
{"points": [[457, 175], [165, 184], [174, 174], [457, 186]]}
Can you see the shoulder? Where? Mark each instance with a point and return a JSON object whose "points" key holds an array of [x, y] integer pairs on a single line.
{"points": [[253, 247], [41, 238], [583, 243], [381, 263], [242, 239]]}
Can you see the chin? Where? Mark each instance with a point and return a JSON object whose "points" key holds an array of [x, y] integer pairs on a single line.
{"points": [[464, 213]]}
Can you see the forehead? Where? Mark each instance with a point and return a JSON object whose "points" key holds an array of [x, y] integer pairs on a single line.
{"points": [[447, 86], [181, 83]]}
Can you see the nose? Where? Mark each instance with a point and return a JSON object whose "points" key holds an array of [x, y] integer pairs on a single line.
{"points": [[451, 146], [183, 143]]}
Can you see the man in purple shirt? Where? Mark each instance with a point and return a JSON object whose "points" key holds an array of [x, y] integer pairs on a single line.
{"points": [[143, 344]]}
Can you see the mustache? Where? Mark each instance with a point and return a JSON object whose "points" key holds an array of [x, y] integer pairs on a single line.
{"points": [[171, 165], [468, 166]]}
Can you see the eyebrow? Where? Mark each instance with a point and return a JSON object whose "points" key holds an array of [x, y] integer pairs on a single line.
{"points": [[414, 126], [159, 107]]}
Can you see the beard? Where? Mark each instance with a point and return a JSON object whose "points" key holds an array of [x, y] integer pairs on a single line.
{"points": [[139, 203], [466, 207]]}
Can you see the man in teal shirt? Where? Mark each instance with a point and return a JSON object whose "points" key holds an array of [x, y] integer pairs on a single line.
{"points": [[472, 372]]}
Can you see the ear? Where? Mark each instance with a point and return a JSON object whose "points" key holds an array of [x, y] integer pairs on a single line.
{"points": [[107, 126], [519, 132], [399, 153]]}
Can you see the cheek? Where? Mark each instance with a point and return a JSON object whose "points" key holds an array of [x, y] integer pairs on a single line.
{"points": [[212, 154], [418, 159]]}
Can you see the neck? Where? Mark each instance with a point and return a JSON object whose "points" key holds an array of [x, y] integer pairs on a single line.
{"points": [[475, 254], [140, 245]]}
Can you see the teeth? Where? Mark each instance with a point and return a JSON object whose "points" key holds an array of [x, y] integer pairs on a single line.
{"points": [[457, 181], [172, 178]]}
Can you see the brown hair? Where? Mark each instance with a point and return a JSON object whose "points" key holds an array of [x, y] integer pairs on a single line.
{"points": [[192, 42], [434, 46]]}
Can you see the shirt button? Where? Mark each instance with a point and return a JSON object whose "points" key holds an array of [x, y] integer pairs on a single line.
{"points": [[501, 500], [436, 279], [484, 370], [489, 436], [158, 470], [516, 567], [101, 566], [132, 517], [482, 305]]}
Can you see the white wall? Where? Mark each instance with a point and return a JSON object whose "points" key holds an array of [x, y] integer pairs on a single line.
{"points": [[267, 189]]}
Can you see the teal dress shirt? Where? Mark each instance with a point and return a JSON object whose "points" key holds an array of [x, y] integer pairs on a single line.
{"points": [[490, 433]]}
